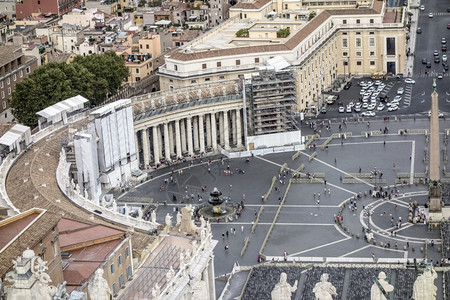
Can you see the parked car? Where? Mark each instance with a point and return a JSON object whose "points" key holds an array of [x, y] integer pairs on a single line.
{"points": [[419, 30], [428, 64], [424, 61], [436, 53], [368, 114], [437, 59], [380, 107], [341, 109], [444, 58], [347, 85], [430, 15], [400, 91], [348, 109], [393, 108], [409, 80], [397, 98], [443, 41], [445, 65], [422, 7], [444, 48], [439, 76]]}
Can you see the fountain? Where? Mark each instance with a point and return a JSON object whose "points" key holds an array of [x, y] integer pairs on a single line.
{"points": [[215, 210]]}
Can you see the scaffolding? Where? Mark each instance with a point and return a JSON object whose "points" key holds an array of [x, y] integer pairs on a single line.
{"points": [[271, 96]]}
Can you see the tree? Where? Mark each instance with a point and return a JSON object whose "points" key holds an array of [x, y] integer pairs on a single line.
{"points": [[242, 32], [46, 86], [108, 66], [284, 32], [311, 15]]}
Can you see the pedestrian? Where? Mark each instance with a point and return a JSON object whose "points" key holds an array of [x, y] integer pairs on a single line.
{"points": [[226, 248], [329, 192], [242, 228], [318, 195], [223, 236], [318, 202], [231, 187], [226, 233]]}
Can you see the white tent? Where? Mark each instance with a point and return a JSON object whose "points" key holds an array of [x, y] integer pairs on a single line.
{"points": [[278, 62], [58, 111], [24, 131], [11, 140]]}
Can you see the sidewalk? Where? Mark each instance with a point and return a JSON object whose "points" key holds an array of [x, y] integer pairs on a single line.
{"points": [[411, 45]]}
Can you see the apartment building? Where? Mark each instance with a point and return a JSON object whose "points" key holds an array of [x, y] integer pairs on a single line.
{"points": [[335, 42], [14, 66], [28, 8]]}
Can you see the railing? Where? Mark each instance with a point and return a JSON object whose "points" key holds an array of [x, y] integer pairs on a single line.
{"points": [[75, 196], [7, 163]]}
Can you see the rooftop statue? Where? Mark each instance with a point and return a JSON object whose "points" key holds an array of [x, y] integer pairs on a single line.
{"points": [[283, 290], [324, 290]]}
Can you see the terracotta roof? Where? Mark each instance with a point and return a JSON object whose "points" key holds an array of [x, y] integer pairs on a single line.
{"points": [[30, 238], [10, 230], [88, 235], [251, 5], [67, 224], [77, 273], [289, 45]]}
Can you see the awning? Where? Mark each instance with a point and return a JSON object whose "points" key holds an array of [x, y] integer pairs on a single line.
{"points": [[10, 138], [163, 22]]}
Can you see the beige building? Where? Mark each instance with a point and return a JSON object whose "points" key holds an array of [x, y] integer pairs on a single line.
{"points": [[333, 44]]}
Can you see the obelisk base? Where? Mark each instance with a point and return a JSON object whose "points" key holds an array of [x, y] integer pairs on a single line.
{"points": [[435, 204]]}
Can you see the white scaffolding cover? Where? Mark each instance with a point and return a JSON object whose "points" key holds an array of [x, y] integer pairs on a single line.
{"points": [[55, 112], [11, 140]]}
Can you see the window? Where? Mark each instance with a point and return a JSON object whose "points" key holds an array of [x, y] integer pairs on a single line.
{"points": [[358, 21], [175, 67], [345, 53], [112, 269], [344, 43], [128, 272], [119, 261], [3, 94], [28, 70], [140, 46], [219, 64], [1, 84], [358, 63], [371, 42], [286, 6], [372, 53], [207, 79], [358, 33], [238, 62], [114, 289], [137, 71], [4, 104], [358, 42], [256, 60], [8, 81], [9, 91], [192, 81], [372, 63], [371, 33], [371, 21], [390, 46], [345, 63], [344, 22], [147, 46], [14, 77], [121, 281], [358, 53], [221, 77], [203, 66]]}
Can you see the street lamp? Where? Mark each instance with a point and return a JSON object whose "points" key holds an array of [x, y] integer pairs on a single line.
{"points": [[375, 172]]}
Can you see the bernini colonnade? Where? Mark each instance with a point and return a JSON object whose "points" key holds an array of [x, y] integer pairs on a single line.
{"points": [[183, 132]]}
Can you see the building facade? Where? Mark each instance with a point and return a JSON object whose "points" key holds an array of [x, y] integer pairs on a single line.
{"points": [[335, 43], [14, 67], [26, 8]]}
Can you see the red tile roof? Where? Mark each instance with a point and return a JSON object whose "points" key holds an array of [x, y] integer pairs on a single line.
{"points": [[251, 5], [10, 230]]}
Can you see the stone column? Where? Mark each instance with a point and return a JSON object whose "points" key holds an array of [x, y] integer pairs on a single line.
{"points": [[166, 141], [221, 132], [146, 147], [201, 130], [208, 130], [233, 124], [183, 135], [239, 128], [136, 141], [177, 138], [214, 131], [189, 135], [171, 139], [160, 140], [196, 144], [156, 148], [226, 134]]}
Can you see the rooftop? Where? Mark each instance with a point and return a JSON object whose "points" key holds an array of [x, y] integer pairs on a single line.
{"points": [[9, 53]]}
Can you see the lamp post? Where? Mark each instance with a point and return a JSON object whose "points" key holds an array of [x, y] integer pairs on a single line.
{"points": [[375, 172]]}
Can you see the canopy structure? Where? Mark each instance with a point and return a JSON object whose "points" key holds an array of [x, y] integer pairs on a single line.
{"points": [[59, 111], [163, 22], [24, 131], [11, 140], [278, 62]]}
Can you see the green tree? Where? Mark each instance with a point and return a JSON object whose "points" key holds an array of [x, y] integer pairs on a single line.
{"points": [[311, 15], [242, 32], [108, 66], [284, 32]]}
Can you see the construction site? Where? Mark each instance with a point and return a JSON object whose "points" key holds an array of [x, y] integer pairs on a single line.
{"points": [[271, 96]]}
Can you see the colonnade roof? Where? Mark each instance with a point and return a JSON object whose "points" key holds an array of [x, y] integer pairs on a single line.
{"points": [[185, 105]]}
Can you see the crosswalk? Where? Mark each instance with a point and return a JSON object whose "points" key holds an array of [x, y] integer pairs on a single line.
{"points": [[425, 14], [430, 75], [407, 96]]}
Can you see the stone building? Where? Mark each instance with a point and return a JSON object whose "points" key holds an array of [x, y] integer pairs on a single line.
{"points": [[26, 8], [14, 66]]}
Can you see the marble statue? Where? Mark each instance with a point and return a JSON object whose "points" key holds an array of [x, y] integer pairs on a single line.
{"points": [[200, 289], [86, 194], [202, 223], [140, 213], [203, 235], [114, 206], [153, 217], [169, 275], [156, 291], [194, 247], [179, 217], [187, 223], [77, 188], [61, 292], [208, 225], [324, 290], [424, 288], [375, 291], [98, 288], [104, 203], [125, 210], [169, 220], [283, 290], [29, 279], [72, 183]]}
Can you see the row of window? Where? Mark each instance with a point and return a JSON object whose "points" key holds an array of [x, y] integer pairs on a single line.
{"points": [[120, 260], [3, 95], [115, 289], [358, 21], [358, 53], [358, 42], [359, 63]]}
